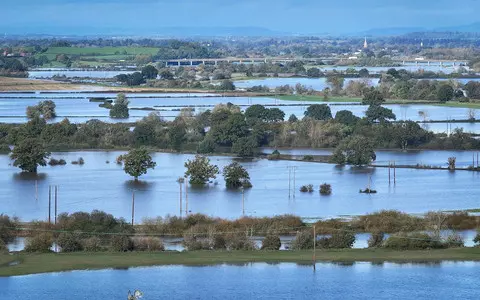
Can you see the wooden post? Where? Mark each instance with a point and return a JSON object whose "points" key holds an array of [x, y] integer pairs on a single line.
{"points": [[180, 184], [186, 197], [56, 188], [477, 159], [389, 165], [314, 258], [133, 207], [243, 202], [394, 173], [49, 204], [473, 160]]}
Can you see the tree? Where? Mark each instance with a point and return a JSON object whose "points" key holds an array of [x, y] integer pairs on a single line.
{"points": [[45, 109], [137, 162], [244, 147], [226, 85], [293, 118], [318, 112], [336, 83], [149, 72], [363, 73], [373, 97], [120, 108], [29, 154], [135, 79], [346, 117], [275, 115], [445, 93], [271, 242], [313, 72], [236, 176], [378, 113], [166, 74], [256, 111], [200, 170], [355, 150]]}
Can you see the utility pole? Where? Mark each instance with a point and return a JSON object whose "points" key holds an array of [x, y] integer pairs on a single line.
{"points": [[289, 175], [133, 207], [243, 202], [186, 196], [49, 204], [290, 168], [294, 168], [314, 248], [180, 180], [56, 189]]}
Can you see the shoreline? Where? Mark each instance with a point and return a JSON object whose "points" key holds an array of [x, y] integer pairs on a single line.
{"points": [[26, 264]]}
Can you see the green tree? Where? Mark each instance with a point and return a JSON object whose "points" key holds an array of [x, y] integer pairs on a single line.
{"points": [[293, 118], [318, 112], [445, 93], [200, 170], [226, 85], [313, 72], [363, 73], [256, 111], [29, 154], [354, 150], [45, 109], [244, 147], [120, 107], [149, 72], [275, 115], [176, 133], [166, 74], [378, 113], [137, 162], [346, 117], [336, 83], [236, 176], [373, 97]]}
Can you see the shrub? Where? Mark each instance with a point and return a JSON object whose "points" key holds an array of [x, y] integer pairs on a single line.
{"points": [[389, 221], [412, 241], [275, 155], [121, 243], [303, 240], [239, 241], [342, 239], [93, 244], [39, 243], [148, 244], [461, 221], [218, 242], [306, 188], [69, 242], [308, 158], [80, 161], [55, 162], [476, 239], [325, 189], [7, 228], [376, 239], [271, 242], [194, 240], [454, 241], [3, 247]]}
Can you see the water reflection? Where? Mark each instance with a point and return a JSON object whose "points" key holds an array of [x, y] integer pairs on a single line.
{"points": [[28, 176]]}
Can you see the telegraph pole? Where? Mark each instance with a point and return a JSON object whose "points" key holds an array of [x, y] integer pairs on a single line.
{"points": [[186, 196], [133, 207], [294, 168], [290, 168], [289, 175], [180, 180], [56, 189], [49, 204]]}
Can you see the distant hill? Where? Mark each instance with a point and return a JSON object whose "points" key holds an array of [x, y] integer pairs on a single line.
{"points": [[393, 31]]}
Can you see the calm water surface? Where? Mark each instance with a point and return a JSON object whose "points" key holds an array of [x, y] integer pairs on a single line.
{"points": [[98, 185], [256, 281]]}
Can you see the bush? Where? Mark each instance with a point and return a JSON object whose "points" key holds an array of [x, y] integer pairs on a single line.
{"points": [[39, 243], [218, 242], [93, 244], [80, 161], [55, 162], [342, 239], [308, 158], [412, 241], [7, 228], [271, 242], [69, 242], [476, 239], [275, 155], [239, 241], [194, 240], [376, 239], [303, 240], [3, 247], [148, 244], [306, 188], [325, 189], [454, 241], [121, 243], [389, 221]]}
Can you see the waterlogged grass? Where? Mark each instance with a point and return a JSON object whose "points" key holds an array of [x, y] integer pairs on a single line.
{"points": [[317, 98], [101, 51], [50, 262], [460, 104]]}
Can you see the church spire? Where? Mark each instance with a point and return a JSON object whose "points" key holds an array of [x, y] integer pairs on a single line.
{"points": [[365, 44]]}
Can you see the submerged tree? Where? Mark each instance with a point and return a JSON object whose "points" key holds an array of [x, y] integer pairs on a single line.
{"points": [[354, 150], [236, 176], [120, 107], [200, 170], [45, 109], [29, 154], [137, 162]]}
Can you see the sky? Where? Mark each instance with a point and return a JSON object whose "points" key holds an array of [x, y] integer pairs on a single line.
{"points": [[290, 16]]}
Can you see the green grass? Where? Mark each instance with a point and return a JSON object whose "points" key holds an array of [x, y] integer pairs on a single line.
{"points": [[460, 104], [100, 51], [42, 263]]}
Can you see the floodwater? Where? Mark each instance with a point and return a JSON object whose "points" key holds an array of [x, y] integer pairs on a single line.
{"points": [[38, 74], [361, 280], [105, 186]]}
